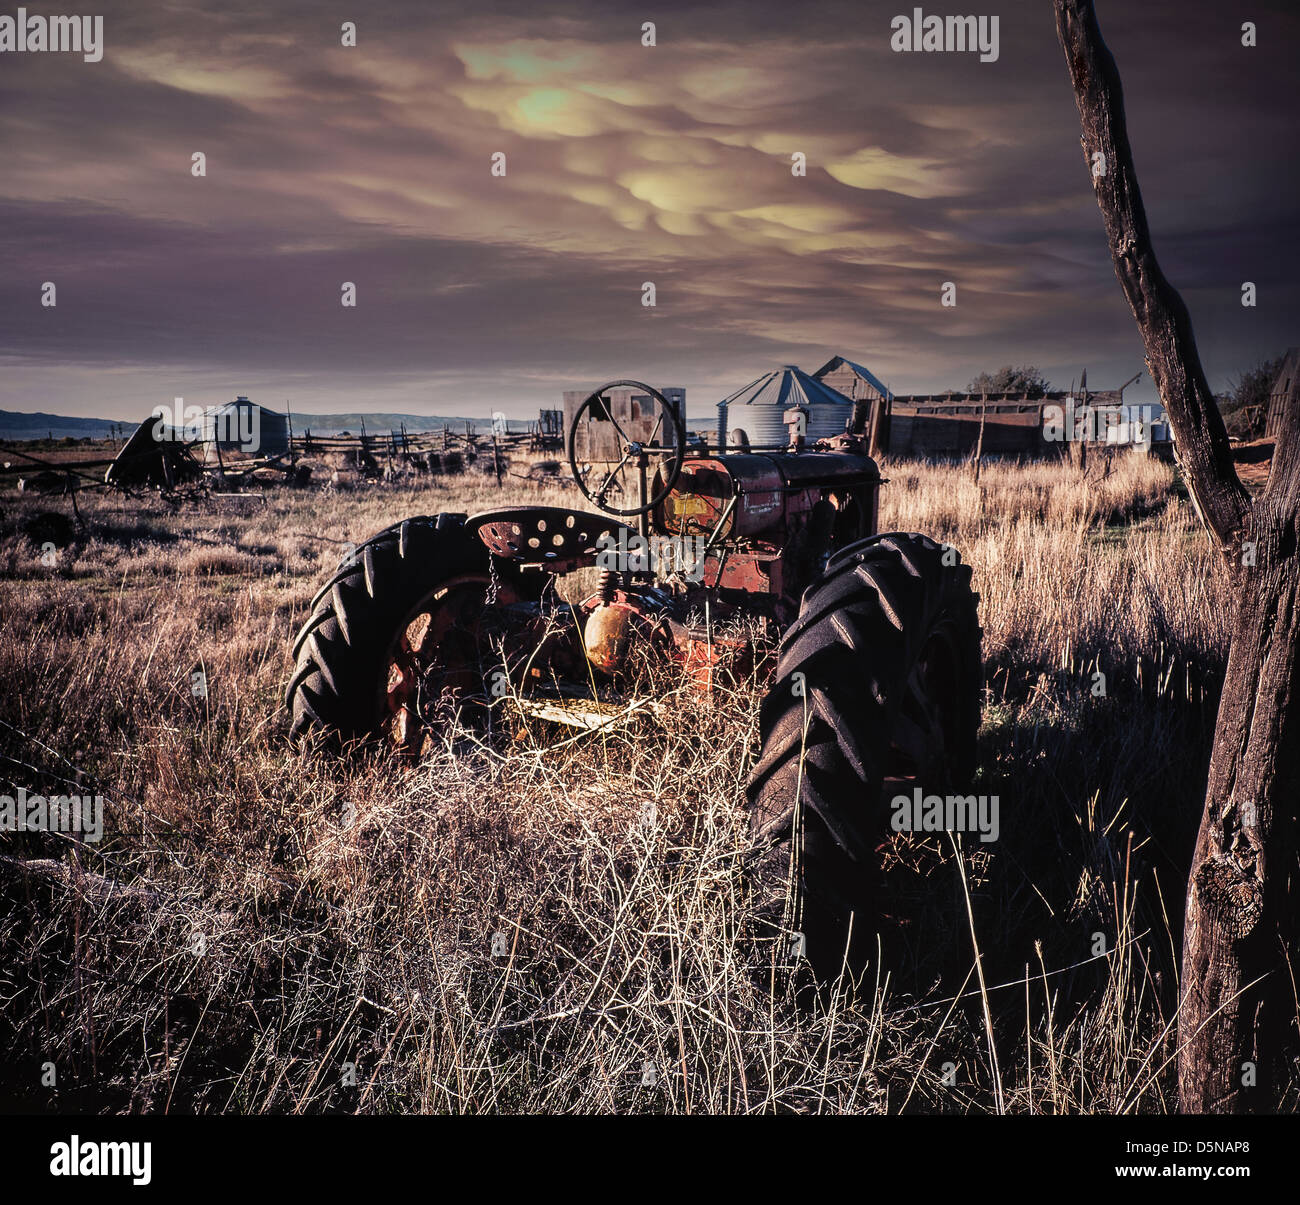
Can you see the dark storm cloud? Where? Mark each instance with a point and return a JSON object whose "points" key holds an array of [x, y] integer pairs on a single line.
{"points": [[626, 164]]}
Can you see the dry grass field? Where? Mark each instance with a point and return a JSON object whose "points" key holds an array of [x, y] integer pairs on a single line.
{"points": [[268, 929]]}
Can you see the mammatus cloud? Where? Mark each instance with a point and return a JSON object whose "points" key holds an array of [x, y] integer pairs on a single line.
{"points": [[624, 163]]}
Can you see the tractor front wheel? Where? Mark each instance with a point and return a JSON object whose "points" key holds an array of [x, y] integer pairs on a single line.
{"points": [[402, 631]]}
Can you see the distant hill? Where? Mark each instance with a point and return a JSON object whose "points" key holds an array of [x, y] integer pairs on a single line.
{"points": [[16, 425], [38, 425]]}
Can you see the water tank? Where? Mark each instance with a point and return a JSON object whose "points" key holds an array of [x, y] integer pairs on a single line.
{"points": [[753, 417], [244, 426]]}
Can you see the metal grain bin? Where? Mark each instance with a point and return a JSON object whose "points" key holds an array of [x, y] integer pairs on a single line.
{"points": [[244, 426], [752, 417]]}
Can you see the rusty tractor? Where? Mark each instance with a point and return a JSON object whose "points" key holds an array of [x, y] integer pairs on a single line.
{"points": [[733, 557]]}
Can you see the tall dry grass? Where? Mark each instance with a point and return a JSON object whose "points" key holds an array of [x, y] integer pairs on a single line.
{"points": [[557, 923]]}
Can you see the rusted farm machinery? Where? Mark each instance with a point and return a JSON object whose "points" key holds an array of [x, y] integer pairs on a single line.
{"points": [[877, 678]]}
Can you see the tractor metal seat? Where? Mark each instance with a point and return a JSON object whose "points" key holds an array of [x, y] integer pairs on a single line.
{"points": [[551, 535]]}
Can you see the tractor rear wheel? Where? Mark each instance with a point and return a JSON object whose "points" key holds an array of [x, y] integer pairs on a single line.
{"points": [[401, 627], [877, 691]]}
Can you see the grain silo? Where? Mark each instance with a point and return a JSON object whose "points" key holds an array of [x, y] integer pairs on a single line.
{"points": [[244, 426], [753, 419]]}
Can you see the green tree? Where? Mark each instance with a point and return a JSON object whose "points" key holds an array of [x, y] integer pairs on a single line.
{"points": [[1009, 379]]}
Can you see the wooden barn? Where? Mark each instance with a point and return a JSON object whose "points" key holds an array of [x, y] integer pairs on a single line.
{"points": [[1278, 397], [949, 425], [635, 411], [860, 385]]}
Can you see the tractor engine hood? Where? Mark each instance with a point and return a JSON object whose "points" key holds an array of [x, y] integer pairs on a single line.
{"points": [[749, 493]]}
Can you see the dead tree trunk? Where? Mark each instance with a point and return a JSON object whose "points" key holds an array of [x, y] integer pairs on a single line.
{"points": [[1238, 992]]}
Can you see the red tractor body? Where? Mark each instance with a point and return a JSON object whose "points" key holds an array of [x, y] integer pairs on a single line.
{"points": [[771, 520], [448, 620]]}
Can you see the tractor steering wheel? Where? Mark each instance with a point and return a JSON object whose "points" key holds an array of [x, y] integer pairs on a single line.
{"points": [[620, 463]]}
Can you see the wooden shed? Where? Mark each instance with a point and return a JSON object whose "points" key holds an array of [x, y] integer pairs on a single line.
{"points": [[1279, 396], [635, 411], [948, 424], [860, 385]]}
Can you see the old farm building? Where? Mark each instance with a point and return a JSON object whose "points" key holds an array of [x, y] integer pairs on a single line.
{"points": [[942, 426], [635, 412], [948, 425], [860, 384], [1278, 399]]}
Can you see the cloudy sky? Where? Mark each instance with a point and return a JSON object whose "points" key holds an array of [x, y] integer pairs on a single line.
{"points": [[624, 164]]}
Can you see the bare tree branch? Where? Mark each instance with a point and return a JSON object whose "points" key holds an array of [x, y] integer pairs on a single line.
{"points": [[1162, 318]]}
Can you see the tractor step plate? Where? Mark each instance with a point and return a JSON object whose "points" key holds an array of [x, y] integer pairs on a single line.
{"points": [[588, 714]]}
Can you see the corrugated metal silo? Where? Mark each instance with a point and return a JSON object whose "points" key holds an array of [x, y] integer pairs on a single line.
{"points": [[753, 416], [244, 426]]}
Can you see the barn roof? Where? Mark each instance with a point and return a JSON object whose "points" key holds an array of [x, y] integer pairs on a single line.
{"points": [[786, 386], [865, 373], [241, 400]]}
